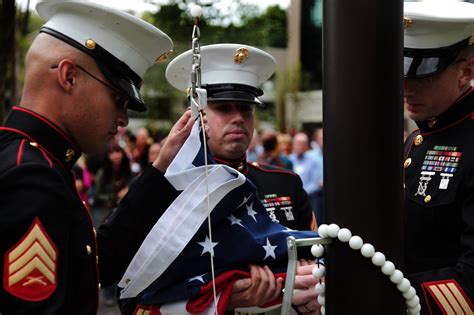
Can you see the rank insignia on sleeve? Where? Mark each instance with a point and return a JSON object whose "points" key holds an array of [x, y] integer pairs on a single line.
{"points": [[141, 310], [30, 266], [448, 296]]}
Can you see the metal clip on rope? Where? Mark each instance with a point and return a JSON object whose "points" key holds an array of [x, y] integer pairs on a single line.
{"points": [[198, 96]]}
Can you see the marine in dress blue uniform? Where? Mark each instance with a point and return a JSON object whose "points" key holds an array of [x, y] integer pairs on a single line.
{"points": [[231, 74], [51, 255], [439, 161]]}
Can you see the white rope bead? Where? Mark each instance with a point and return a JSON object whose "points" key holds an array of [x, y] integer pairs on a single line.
{"points": [[415, 310], [404, 286], [319, 271], [196, 11], [320, 288], [410, 293], [356, 242], [321, 300], [317, 250], [388, 268], [323, 230], [378, 259], [397, 276], [367, 250], [333, 229], [344, 235], [413, 301]]}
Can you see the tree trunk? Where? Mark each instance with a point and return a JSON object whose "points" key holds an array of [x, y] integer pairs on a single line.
{"points": [[7, 57]]}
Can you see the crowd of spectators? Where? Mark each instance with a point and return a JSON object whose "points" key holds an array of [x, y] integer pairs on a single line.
{"points": [[103, 180]]}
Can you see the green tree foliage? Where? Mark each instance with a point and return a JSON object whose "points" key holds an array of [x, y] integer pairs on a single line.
{"points": [[247, 26], [239, 23]]}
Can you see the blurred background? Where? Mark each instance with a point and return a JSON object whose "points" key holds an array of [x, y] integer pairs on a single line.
{"points": [[290, 30]]}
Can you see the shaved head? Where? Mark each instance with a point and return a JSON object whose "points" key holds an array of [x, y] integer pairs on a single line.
{"points": [[44, 52]]}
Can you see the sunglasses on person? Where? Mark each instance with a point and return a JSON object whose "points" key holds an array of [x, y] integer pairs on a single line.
{"points": [[121, 99]]}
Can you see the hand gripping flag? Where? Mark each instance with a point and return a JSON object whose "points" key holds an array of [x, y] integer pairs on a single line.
{"points": [[173, 262]]}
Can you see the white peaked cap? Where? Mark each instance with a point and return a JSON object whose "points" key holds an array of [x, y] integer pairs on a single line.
{"points": [[118, 41], [223, 64]]}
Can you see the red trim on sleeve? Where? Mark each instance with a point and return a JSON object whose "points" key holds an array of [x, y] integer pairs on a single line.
{"points": [[46, 157], [448, 295], [20, 152], [45, 152]]}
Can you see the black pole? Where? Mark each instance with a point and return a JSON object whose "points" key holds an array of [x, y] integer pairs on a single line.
{"points": [[363, 140]]}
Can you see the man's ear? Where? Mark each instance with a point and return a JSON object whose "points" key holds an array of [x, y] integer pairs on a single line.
{"points": [[66, 75], [467, 72]]}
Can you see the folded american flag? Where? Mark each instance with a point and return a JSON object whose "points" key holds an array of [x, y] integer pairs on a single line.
{"points": [[173, 262]]}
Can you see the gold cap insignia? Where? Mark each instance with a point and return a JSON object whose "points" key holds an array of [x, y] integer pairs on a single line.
{"points": [[163, 57], [90, 44], [69, 155], [432, 122], [407, 22], [471, 40], [241, 55], [418, 140]]}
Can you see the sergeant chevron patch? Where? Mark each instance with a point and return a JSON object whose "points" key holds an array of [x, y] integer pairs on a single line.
{"points": [[449, 297], [141, 310], [30, 266]]}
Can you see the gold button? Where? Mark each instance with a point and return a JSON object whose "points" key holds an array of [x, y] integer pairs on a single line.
{"points": [[407, 163], [90, 44], [97, 259], [88, 249], [69, 155], [99, 286], [34, 144], [254, 163], [241, 166], [418, 140], [427, 199], [407, 22]]}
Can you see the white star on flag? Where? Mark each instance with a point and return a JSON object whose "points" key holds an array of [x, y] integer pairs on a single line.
{"points": [[208, 246], [269, 250], [199, 278], [244, 202], [234, 220], [251, 212]]}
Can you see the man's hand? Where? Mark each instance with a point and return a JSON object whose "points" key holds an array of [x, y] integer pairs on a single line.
{"points": [[304, 295], [260, 288], [175, 140]]}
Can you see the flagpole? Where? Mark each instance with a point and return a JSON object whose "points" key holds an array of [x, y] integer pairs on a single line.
{"points": [[363, 140]]}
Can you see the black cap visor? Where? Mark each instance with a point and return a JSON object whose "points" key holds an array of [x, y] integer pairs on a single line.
{"points": [[419, 63], [234, 92], [118, 73], [126, 86]]}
